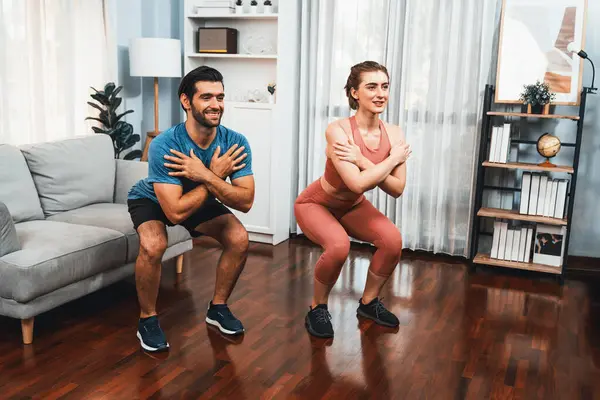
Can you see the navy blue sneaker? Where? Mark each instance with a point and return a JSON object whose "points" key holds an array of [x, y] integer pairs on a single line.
{"points": [[152, 337], [220, 316]]}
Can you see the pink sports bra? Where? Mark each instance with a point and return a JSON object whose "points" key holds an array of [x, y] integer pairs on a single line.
{"points": [[374, 155]]}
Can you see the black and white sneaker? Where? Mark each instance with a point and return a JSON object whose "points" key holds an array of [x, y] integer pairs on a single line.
{"points": [[151, 336], [377, 312], [220, 316], [318, 322]]}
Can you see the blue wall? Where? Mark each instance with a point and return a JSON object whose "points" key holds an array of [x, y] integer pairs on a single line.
{"points": [[146, 18]]}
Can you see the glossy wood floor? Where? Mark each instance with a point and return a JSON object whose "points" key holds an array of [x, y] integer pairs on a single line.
{"points": [[461, 336]]}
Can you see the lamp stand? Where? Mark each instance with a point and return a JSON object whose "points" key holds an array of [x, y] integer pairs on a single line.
{"points": [[151, 135]]}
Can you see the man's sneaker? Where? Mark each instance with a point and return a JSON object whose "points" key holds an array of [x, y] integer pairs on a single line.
{"points": [[152, 337], [318, 322], [377, 312], [220, 316]]}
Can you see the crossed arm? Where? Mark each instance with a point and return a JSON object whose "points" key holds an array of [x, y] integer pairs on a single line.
{"points": [[239, 194], [359, 173]]}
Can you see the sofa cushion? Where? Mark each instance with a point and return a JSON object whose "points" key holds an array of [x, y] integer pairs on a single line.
{"points": [[17, 190], [72, 173], [116, 217], [9, 241], [56, 254]]}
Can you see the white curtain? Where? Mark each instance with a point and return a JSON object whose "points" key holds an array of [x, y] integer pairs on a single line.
{"points": [[438, 55], [51, 52]]}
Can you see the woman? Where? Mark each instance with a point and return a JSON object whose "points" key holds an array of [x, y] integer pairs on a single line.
{"points": [[362, 153]]}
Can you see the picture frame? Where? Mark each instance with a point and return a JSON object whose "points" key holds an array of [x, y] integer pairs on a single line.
{"points": [[534, 35], [549, 245]]}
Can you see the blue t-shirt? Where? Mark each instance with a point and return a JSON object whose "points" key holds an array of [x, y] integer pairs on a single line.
{"points": [[177, 138]]}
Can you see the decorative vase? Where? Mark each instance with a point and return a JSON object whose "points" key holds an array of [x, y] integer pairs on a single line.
{"points": [[239, 9], [253, 9], [538, 109], [271, 99], [268, 9]]}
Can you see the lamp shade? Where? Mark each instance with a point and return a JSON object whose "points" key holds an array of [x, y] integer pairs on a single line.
{"points": [[155, 57]]}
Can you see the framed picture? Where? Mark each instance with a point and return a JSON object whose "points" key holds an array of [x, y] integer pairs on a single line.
{"points": [[534, 35], [549, 245]]}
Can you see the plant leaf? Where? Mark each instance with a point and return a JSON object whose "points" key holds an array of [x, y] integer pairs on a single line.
{"points": [[118, 117], [115, 103], [99, 130], [116, 92], [133, 155], [95, 119], [108, 89], [100, 98], [96, 106]]}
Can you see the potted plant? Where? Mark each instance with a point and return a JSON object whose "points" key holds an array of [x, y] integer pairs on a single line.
{"points": [[537, 97], [120, 132], [271, 88], [239, 7], [268, 7], [253, 6]]}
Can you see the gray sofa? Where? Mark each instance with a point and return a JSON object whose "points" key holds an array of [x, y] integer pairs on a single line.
{"points": [[64, 226]]}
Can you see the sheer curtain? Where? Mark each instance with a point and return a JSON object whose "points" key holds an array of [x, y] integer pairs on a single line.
{"points": [[437, 53], [51, 52]]}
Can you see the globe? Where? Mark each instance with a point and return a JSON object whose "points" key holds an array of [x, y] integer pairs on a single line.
{"points": [[548, 145]]}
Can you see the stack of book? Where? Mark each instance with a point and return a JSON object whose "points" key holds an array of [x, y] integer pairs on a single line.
{"points": [[214, 8], [500, 144], [512, 244], [541, 195]]}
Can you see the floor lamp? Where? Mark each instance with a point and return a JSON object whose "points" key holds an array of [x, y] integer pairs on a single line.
{"points": [[154, 57]]}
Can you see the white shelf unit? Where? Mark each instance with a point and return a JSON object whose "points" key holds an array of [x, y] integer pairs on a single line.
{"points": [[269, 127]]}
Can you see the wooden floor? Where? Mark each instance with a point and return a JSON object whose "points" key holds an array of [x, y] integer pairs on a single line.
{"points": [[488, 335]]}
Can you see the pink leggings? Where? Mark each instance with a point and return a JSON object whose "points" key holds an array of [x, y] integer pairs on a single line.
{"points": [[329, 221]]}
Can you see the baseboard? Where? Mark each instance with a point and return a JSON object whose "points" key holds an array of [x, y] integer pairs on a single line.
{"points": [[581, 265]]}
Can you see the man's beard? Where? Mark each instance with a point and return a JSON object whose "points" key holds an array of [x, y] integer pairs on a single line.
{"points": [[199, 117]]}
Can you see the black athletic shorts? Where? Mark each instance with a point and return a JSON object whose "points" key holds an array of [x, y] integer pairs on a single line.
{"points": [[143, 210]]}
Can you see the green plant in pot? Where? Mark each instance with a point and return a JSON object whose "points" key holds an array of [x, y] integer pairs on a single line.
{"points": [[537, 97], [120, 132]]}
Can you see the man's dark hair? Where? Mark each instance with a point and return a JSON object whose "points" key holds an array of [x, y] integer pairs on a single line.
{"points": [[187, 85]]}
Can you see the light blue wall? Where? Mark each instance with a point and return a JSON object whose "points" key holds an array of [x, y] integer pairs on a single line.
{"points": [[147, 18], [585, 232]]}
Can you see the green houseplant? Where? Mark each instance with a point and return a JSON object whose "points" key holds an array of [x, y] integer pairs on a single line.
{"points": [[537, 97], [120, 132]]}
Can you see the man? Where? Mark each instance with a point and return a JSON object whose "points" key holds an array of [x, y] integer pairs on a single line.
{"points": [[188, 165]]}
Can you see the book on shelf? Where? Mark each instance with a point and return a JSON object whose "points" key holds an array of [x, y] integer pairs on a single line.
{"points": [[549, 245], [500, 144], [543, 196], [513, 243]]}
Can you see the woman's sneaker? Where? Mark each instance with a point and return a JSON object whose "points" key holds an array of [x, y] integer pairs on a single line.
{"points": [[220, 316], [377, 312], [150, 334], [318, 322]]}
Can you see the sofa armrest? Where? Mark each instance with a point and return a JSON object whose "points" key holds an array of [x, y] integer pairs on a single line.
{"points": [[128, 173], [9, 241]]}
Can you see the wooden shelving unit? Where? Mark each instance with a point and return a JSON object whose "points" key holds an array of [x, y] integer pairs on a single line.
{"points": [[525, 115], [480, 211], [486, 260], [515, 215], [529, 167], [235, 16], [224, 55]]}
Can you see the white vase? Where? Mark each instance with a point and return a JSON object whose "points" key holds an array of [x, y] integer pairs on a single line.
{"points": [[268, 9], [239, 9], [253, 9], [271, 99]]}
